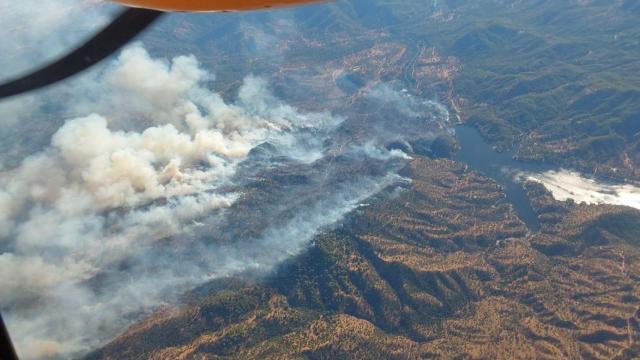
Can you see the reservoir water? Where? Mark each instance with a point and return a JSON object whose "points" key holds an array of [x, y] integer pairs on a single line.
{"points": [[562, 183], [481, 157]]}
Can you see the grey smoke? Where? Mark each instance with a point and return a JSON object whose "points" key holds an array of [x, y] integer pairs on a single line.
{"points": [[137, 196], [109, 220], [99, 194], [407, 103]]}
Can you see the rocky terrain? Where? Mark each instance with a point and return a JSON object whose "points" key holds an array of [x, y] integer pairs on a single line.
{"points": [[441, 269]]}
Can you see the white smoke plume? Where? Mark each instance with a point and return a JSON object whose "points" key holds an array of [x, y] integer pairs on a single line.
{"points": [[407, 103], [115, 185], [565, 184], [113, 210]]}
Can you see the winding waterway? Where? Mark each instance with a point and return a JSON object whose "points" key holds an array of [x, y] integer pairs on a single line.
{"points": [[481, 157], [563, 184]]}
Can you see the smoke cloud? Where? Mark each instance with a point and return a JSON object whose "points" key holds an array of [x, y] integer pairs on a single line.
{"points": [[565, 184], [154, 184], [408, 104], [80, 218]]}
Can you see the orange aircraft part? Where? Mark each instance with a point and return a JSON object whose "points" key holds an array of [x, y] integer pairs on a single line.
{"points": [[211, 5]]}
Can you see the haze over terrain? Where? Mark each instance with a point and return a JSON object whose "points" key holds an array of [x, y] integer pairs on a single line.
{"points": [[280, 184]]}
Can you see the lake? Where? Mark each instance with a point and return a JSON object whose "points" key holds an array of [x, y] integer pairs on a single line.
{"points": [[481, 157]]}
